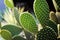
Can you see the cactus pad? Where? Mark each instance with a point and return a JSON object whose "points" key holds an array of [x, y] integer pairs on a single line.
{"points": [[53, 26], [9, 3], [6, 34], [28, 23], [13, 29], [46, 33], [41, 10]]}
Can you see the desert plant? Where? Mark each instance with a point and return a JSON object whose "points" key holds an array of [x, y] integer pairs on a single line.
{"points": [[25, 21], [6, 34]]}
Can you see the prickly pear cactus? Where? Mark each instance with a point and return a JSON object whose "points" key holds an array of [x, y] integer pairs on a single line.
{"points": [[6, 34], [15, 30], [28, 23], [53, 26], [9, 3], [41, 10], [42, 13], [46, 33]]}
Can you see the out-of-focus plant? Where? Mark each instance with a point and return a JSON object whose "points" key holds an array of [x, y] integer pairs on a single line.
{"points": [[9, 17], [9, 3], [45, 29]]}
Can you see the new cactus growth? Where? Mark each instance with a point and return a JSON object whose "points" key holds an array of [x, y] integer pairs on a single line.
{"points": [[53, 17]]}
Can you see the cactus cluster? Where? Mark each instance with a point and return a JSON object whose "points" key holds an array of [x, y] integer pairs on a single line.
{"points": [[27, 22], [8, 31]]}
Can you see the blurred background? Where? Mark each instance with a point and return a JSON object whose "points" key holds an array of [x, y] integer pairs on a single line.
{"points": [[2, 8]]}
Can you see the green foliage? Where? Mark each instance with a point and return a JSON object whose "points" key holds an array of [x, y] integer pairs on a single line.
{"points": [[43, 14], [9, 3], [46, 33], [41, 10], [52, 25], [6, 35], [13, 29], [28, 23]]}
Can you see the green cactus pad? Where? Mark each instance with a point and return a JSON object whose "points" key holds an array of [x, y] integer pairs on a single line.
{"points": [[46, 33], [18, 38], [9, 3], [28, 23], [41, 10], [13, 29], [6, 35], [52, 25]]}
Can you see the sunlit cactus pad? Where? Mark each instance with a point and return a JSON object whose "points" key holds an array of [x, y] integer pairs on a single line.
{"points": [[27, 21], [9, 3]]}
